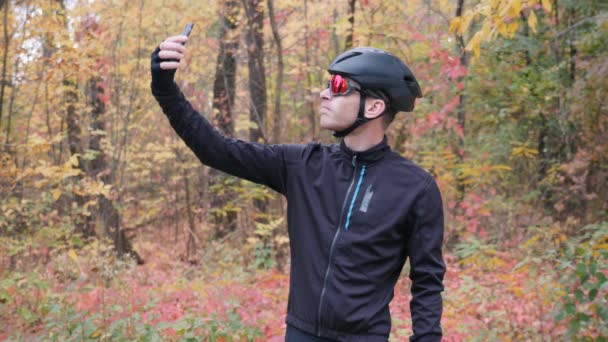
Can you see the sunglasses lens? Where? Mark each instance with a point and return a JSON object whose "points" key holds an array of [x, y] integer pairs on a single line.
{"points": [[338, 85]]}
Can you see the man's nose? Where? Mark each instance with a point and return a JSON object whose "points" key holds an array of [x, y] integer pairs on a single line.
{"points": [[325, 94]]}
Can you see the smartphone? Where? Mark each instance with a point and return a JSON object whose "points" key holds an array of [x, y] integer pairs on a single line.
{"points": [[187, 29]]}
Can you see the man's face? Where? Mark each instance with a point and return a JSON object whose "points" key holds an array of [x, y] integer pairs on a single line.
{"points": [[338, 112]]}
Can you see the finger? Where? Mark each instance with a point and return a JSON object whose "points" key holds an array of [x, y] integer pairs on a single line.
{"points": [[169, 65], [177, 39], [172, 46], [168, 54]]}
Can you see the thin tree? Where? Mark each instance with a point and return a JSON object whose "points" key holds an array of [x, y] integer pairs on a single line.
{"points": [[82, 221], [461, 109], [257, 76], [311, 110], [277, 128], [223, 102], [7, 40], [106, 211], [280, 69], [348, 44]]}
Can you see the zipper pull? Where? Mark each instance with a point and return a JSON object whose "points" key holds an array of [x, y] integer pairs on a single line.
{"points": [[354, 161]]}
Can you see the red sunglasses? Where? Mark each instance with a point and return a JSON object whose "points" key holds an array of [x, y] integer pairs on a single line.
{"points": [[339, 85]]}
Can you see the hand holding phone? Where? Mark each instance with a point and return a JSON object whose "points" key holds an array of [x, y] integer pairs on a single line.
{"points": [[166, 57]]}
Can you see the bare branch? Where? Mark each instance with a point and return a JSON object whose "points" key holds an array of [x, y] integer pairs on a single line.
{"points": [[596, 19]]}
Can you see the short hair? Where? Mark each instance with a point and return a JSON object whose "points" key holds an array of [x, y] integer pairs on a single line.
{"points": [[389, 112], [388, 116]]}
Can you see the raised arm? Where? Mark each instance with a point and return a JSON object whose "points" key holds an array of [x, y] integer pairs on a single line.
{"points": [[426, 265], [263, 164]]}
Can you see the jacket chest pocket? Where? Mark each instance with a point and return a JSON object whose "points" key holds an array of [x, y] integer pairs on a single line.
{"points": [[361, 207], [373, 221]]}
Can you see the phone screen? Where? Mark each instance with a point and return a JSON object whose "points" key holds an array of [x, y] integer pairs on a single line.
{"points": [[188, 29]]}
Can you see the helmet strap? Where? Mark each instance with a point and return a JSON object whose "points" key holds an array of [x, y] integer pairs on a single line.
{"points": [[361, 119]]}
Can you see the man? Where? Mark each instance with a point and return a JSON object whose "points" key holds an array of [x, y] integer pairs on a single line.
{"points": [[356, 210]]}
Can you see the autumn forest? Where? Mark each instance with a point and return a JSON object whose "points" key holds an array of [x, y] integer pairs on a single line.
{"points": [[111, 228]]}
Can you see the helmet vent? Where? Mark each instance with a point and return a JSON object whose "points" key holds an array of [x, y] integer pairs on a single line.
{"points": [[350, 55]]}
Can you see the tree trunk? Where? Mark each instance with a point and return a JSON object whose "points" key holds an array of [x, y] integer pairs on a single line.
{"points": [[9, 146], [83, 223], [461, 109], [572, 48], [7, 40], [192, 238], [223, 100], [335, 43], [526, 29], [277, 203], [99, 169], [176, 215], [257, 77], [225, 71], [348, 44], [280, 68], [111, 221], [257, 73], [311, 110], [547, 146]]}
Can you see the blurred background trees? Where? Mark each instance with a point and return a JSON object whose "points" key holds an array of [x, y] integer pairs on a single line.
{"points": [[513, 124]]}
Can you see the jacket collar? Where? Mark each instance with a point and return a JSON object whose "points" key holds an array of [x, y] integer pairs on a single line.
{"points": [[372, 155]]}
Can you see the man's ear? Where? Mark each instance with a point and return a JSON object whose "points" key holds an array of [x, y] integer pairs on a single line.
{"points": [[374, 108]]}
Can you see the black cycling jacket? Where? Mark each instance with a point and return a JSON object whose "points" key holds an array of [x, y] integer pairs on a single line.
{"points": [[353, 219]]}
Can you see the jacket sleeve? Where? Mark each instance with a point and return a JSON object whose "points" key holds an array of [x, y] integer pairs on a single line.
{"points": [[427, 267], [259, 163]]}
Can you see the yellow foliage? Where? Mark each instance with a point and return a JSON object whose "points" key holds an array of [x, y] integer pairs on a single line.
{"points": [[96, 188], [500, 167], [532, 21], [499, 17], [514, 8], [517, 290], [456, 26], [512, 28], [56, 193], [486, 32], [466, 21], [532, 241], [475, 44], [8, 170], [602, 246], [501, 27], [74, 160], [38, 145], [487, 258], [266, 229], [495, 262], [281, 240], [524, 151], [481, 173], [73, 255]]}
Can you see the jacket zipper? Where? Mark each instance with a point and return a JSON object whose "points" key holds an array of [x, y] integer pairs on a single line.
{"points": [[333, 243]]}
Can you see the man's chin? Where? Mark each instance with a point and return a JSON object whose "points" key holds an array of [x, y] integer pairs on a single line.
{"points": [[326, 123], [327, 126]]}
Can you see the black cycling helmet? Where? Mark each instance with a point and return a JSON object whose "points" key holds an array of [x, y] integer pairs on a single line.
{"points": [[377, 71]]}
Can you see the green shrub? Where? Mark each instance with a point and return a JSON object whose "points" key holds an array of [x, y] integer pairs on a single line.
{"points": [[584, 266]]}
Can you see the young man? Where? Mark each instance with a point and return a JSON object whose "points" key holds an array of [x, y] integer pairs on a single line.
{"points": [[356, 210]]}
